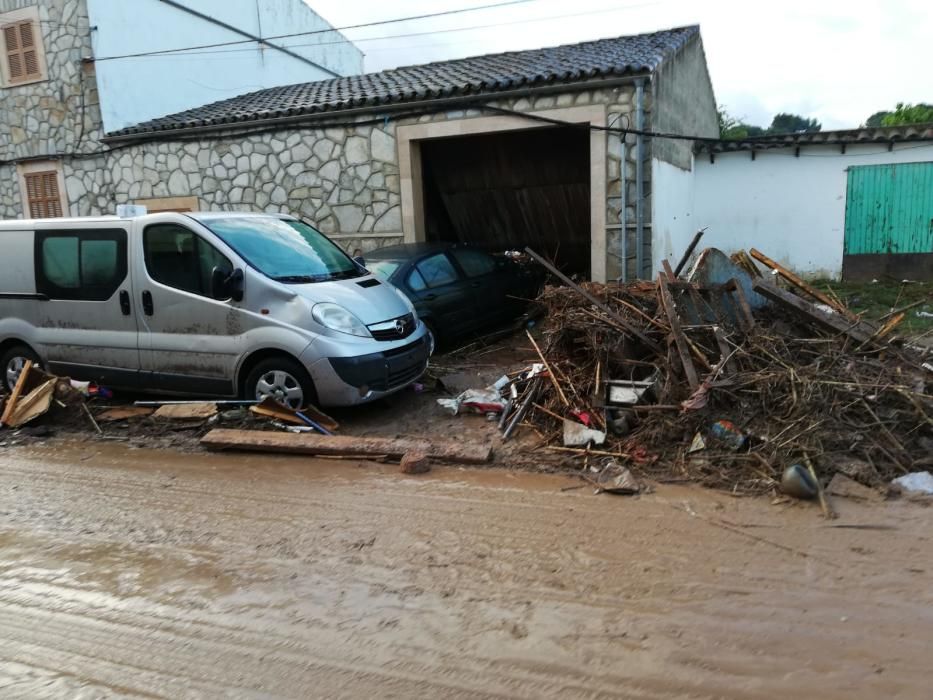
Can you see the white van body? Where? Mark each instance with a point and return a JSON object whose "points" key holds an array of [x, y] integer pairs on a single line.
{"points": [[162, 303]]}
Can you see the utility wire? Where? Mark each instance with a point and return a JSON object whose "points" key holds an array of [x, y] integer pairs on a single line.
{"points": [[505, 3], [195, 52]]}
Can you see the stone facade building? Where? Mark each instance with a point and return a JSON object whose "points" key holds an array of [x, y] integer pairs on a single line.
{"points": [[359, 156]]}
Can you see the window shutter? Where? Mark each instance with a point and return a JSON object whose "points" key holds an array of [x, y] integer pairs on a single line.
{"points": [[21, 52], [43, 198], [13, 58], [28, 46]]}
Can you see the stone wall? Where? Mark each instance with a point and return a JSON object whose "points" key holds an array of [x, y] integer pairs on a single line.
{"points": [[45, 118], [345, 180]]}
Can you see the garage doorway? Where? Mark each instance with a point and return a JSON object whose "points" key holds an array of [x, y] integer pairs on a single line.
{"points": [[510, 189]]}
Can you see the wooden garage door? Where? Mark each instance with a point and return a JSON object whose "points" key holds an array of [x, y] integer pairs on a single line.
{"points": [[889, 221]]}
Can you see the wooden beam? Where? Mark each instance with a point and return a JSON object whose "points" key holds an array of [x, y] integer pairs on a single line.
{"points": [[324, 445], [596, 302], [17, 390], [683, 348], [744, 311], [800, 284], [809, 312]]}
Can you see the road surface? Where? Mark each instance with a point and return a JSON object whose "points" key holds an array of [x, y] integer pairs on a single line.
{"points": [[135, 573]]}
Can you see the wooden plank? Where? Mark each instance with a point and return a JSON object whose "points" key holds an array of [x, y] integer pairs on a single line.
{"points": [[703, 310], [724, 350], [668, 271], [314, 444], [683, 348], [182, 411], [596, 302], [124, 413], [800, 284], [829, 321], [743, 310], [17, 390]]}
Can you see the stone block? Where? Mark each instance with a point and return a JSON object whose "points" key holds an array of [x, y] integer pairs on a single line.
{"points": [[357, 150], [383, 146], [414, 463]]}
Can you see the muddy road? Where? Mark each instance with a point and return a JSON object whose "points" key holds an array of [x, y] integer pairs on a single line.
{"points": [[142, 573]]}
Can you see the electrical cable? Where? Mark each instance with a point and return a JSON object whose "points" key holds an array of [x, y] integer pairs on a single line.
{"points": [[504, 3]]}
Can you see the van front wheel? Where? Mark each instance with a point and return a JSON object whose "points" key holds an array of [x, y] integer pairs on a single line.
{"points": [[13, 362], [284, 380]]}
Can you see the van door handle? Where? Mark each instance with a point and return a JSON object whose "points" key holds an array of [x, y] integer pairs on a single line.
{"points": [[125, 302], [147, 303]]}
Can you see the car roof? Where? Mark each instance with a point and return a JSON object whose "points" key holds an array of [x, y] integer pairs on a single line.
{"points": [[407, 251]]}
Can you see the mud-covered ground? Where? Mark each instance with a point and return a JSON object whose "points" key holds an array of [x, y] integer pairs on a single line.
{"points": [[132, 572]]}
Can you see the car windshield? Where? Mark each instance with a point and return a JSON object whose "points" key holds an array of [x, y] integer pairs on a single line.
{"points": [[285, 250], [383, 269]]}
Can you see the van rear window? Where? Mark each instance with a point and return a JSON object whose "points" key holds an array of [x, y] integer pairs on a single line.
{"points": [[84, 265]]}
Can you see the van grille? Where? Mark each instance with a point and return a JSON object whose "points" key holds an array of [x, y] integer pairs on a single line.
{"points": [[396, 329]]}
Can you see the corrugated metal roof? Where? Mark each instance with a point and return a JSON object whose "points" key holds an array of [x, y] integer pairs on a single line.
{"points": [[882, 134], [480, 75]]}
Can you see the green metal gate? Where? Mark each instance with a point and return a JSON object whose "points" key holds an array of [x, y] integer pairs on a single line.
{"points": [[889, 220]]}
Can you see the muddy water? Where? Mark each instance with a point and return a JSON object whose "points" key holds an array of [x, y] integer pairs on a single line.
{"points": [[142, 573]]}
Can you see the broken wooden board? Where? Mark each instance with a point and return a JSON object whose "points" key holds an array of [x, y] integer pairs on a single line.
{"points": [[683, 348], [800, 284], [314, 444], [270, 408], [186, 411], [32, 405], [859, 331], [17, 391], [123, 413]]}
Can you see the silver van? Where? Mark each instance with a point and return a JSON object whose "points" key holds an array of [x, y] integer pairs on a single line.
{"points": [[207, 304]]}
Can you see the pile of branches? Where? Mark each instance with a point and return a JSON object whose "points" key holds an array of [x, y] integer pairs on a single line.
{"points": [[789, 391]]}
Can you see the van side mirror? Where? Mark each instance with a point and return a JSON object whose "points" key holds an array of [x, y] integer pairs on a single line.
{"points": [[360, 260], [227, 286]]}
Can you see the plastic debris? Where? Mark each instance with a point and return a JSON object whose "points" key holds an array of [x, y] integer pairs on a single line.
{"points": [[578, 435], [798, 483], [916, 482]]}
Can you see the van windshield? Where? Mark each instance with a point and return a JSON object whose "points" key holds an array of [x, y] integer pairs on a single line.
{"points": [[285, 250]]}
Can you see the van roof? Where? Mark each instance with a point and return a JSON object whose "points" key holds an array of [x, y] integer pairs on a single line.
{"points": [[20, 224]]}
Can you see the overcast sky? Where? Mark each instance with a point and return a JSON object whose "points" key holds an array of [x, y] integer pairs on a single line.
{"points": [[836, 60]]}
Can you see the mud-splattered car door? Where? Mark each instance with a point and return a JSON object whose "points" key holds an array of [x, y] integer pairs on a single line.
{"points": [[189, 341]]}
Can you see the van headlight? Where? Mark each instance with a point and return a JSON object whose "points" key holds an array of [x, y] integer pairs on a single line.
{"points": [[339, 319]]}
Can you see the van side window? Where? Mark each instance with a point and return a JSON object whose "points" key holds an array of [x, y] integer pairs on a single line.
{"points": [[475, 263], [84, 265], [177, 257]]}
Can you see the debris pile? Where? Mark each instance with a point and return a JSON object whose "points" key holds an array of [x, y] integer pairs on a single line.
{"points": [[727, 379]]}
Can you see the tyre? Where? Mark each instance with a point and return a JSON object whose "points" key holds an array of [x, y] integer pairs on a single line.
{"points": [[284, 380], [12, 363]]}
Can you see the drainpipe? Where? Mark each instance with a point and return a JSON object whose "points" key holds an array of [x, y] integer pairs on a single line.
{"points": [[639, 178]]}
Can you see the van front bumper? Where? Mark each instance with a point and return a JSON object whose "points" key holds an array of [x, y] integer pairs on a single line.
{"points": [[350, 380]]}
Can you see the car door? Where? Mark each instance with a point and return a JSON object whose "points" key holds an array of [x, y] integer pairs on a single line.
{"points": [[441, 291], [87, 326], [488, 283], [189, 341]]}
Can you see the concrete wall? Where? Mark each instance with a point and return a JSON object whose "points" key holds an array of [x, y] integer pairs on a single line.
{"points": [[673, 221], [792, 209], [683, 103], [137, 89]]}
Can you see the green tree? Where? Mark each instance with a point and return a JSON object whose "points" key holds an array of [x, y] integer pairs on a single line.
{"points": [[734, 128], [876, 119], [786, 123], [904, 113]]}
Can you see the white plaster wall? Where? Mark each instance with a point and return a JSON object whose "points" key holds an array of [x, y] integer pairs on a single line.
{"points": [[792, 209], [133, 90], [672, 219]]}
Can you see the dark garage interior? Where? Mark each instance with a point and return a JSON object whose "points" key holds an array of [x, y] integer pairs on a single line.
{"points": [[511, 189]]}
